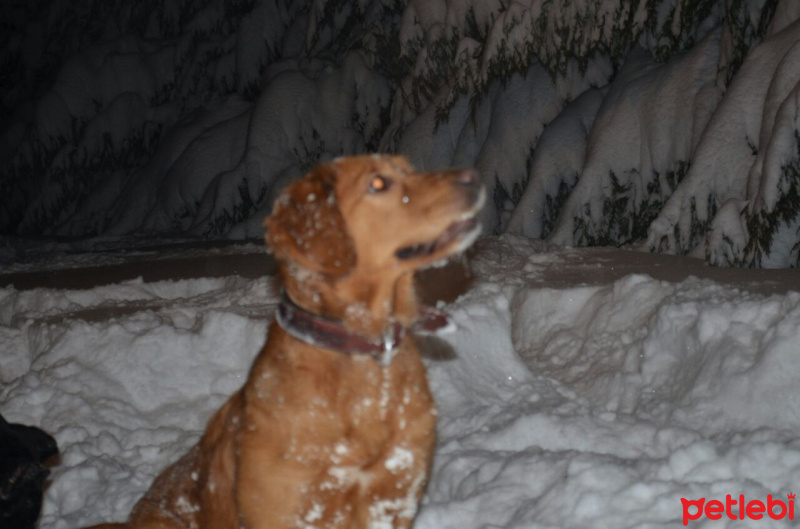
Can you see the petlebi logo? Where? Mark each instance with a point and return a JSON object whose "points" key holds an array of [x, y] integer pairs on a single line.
{"points": [[738, 509]]}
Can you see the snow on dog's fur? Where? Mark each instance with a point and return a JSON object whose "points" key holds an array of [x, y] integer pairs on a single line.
{"points": [[319, 438]]}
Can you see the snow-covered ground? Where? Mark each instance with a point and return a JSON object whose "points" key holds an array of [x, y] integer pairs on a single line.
{"points": [[578, 398]]}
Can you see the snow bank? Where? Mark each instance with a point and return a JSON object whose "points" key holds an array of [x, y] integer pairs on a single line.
{"points": [[602, 406], [579, 406], [126, 376]]}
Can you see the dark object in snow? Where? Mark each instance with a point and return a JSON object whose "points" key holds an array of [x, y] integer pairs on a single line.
{"points": [[434, 347], [23, 451]]}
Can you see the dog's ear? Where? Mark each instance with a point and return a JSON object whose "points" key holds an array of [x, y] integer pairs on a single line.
{"points": [[306, 227]]}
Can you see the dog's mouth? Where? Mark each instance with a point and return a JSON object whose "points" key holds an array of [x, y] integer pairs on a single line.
{"points": [[463, 231], [457, 230]]}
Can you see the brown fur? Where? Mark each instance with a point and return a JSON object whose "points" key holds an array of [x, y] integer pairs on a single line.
{"points": [[317, 438]]}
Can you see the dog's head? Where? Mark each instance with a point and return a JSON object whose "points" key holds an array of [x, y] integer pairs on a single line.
{"points": [[374, 214]]}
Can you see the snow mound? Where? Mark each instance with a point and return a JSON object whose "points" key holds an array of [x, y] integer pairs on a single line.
{"points": [[579, 406], [126, 377]]}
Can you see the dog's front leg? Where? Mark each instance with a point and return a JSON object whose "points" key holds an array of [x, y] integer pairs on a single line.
{"points": [[271, 492], [397, 479], [395, 489]]}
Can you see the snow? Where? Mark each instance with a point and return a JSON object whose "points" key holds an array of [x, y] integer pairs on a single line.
{"points": [[646, 128], [582, 395], [591, 388], [186, 118], [745, 127], [189, 156], [556, 164], [497, 136]]}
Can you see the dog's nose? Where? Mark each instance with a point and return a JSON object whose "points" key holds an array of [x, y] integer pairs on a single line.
{"points": [[466, 177]]}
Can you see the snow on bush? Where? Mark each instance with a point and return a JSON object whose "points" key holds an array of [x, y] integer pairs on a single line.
{"points": [[498, 136], [751, 116], [96, 86], [186, 117], [640, 145], [556, 164]]}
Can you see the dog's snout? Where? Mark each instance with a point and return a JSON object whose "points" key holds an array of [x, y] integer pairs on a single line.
{"points": [[466, 177]]}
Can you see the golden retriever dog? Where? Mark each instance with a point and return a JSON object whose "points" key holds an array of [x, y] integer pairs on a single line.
{"points": [[335, 426]]}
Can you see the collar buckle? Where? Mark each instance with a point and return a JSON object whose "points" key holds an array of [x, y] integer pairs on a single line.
{"points": [[391, 337]]}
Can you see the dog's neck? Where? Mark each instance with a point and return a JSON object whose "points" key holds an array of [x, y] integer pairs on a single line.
{"points": [[365, 304]]}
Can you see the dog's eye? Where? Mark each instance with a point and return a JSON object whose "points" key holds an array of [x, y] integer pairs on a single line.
{"points": [[379, 184]]}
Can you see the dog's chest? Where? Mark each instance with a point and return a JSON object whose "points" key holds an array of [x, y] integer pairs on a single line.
{"points": [[314, 383], [354, 438], [338, 409]]}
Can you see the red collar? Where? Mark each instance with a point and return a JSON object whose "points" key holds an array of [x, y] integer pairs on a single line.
{"points": [[320, 331]]}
